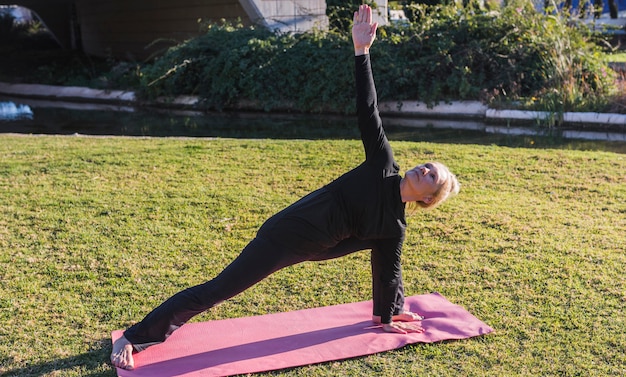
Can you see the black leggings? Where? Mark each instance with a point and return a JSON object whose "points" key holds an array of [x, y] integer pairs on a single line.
{"points": [[259, 259]]}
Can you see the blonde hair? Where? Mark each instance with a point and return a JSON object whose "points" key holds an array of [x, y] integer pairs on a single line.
{"points": [[449, 188]]}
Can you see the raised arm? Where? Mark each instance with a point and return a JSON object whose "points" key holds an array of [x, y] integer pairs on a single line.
{"points": [[370, 125]]}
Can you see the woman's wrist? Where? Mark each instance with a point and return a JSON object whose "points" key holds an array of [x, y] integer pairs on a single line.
{"points": [[358, 51]]}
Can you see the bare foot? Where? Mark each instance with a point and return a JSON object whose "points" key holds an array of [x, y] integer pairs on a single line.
{"points": [[122, 354]]}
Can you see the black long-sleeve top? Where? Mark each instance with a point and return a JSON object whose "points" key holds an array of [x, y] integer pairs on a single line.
{"points": [[364, 203]]}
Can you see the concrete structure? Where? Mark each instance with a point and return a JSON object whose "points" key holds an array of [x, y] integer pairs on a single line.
{"points": [[470, 115], [136, 29]]}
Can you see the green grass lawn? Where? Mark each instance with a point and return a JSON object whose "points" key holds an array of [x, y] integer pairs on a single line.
{"points": [[618, 57], [94, 232]]}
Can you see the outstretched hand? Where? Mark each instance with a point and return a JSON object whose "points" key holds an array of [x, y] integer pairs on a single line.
{"points": [[363, 30]]}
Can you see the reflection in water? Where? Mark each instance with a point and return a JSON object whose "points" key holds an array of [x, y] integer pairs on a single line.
{"points": [[476, 132], [48, 118], [11, 111]]}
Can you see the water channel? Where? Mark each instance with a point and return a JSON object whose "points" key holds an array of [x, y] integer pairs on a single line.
{"points": [[25, 116]]}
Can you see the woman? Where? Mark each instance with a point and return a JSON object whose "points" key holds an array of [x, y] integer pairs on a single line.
{"points": [[363, 209]]}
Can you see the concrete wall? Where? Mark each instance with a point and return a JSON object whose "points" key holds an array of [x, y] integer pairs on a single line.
{"points": [[137, 29], [287, 15], [125, 28]]}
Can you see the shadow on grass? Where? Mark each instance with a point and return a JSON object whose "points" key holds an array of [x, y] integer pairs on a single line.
{"points": [[93, 363]]}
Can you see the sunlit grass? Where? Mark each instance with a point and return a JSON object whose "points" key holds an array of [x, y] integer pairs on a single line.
{"points": [[617, 57], [94, 232]]}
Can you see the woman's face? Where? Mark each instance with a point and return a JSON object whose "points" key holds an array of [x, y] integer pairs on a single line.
{"points": [[421, 182]]}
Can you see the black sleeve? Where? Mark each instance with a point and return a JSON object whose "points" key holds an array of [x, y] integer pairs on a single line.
{"points": [[371, 126], [388, 293]]}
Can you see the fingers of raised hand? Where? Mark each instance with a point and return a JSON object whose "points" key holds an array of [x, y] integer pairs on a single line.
{"points": [[363, 15]]}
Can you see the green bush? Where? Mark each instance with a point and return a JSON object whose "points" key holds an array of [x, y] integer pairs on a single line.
{"points": [[229, 64], [340, 12], [445, 53], [510, 54]]}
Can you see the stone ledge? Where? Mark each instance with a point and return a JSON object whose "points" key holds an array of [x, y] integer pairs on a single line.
{"points": [[569, 117], [450, 110], [456, 109], [67, 92]]}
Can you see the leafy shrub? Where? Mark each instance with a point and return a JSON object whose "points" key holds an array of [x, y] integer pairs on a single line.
{"points": [[505, 55], [232, 63], [445, 53], [340, 12]]}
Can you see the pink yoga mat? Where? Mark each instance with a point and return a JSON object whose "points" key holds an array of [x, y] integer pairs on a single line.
{"points": [[284, 340]]}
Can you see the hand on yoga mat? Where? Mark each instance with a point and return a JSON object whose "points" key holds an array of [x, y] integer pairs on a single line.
{"points": [[403, 327]]}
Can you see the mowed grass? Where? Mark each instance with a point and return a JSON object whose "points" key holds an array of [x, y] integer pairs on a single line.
{"points": [[95, 232]]}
